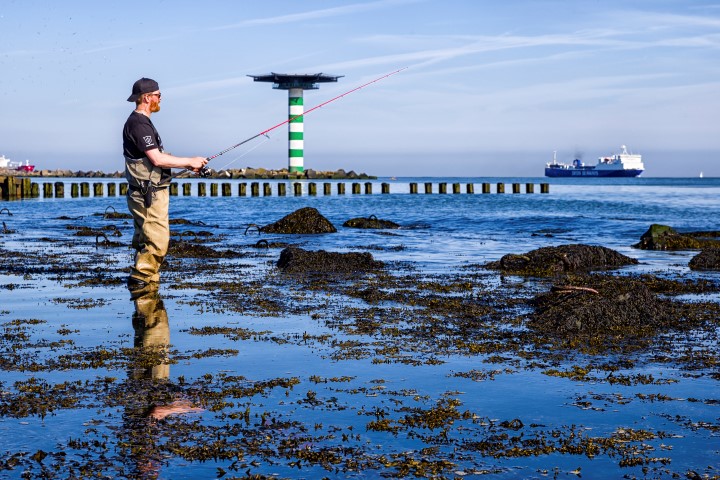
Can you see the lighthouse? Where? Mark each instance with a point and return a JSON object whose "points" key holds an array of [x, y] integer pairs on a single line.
{"points": [[296, 84]]}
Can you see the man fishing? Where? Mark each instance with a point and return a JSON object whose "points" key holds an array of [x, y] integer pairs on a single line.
{"points": [[147, 170]]}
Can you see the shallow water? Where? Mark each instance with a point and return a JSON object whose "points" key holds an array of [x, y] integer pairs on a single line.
{"points": [[335, 397]]}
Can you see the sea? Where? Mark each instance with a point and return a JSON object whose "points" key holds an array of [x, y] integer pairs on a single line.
{"points": [[440, 233]]}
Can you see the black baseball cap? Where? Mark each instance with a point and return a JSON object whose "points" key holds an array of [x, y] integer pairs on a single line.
{"points": [[144, 85]]}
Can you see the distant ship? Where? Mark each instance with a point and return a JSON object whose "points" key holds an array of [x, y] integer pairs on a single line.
{"points": [[6, 163], [25, 168], [618, 165]]}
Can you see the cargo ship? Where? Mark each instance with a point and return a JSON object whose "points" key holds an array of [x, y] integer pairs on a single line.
{"points": [[6, 163], [618, 165], [26, 167]]}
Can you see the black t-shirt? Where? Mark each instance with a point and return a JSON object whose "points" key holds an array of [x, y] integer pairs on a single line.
{"points": [[139, 136]]}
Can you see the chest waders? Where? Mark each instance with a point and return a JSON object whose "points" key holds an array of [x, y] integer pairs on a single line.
{"points": [[148, 201]]}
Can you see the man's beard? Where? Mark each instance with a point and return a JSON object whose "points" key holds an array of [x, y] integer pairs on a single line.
{"points": [[154, 106]]}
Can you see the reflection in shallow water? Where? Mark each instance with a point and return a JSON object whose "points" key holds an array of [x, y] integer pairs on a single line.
{"points": [[150, 395], [151, 361], [152, 335]]}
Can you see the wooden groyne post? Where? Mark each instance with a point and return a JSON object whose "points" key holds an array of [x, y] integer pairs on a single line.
{"points": [[15, 188], [10, 189]]}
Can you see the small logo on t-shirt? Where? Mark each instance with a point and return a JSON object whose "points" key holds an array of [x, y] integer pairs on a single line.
{"points": [[148, 140]]}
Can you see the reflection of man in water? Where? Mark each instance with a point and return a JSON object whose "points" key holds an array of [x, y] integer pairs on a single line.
{"points": [[149, 395], [152, 337], [152, 341]]}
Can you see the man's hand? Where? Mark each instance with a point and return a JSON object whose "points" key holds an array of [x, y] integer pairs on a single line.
{"points": [[197, 163]]}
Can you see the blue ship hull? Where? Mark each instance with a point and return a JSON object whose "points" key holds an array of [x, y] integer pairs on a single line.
{"points": [[590, 172]]}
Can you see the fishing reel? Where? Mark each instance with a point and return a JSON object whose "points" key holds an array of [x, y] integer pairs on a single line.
{"points": [[205, 172]]}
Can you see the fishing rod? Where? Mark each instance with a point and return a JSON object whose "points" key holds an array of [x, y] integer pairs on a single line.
{"points": [[205, 171]]}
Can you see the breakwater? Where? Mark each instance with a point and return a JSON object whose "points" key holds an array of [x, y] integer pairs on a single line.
{"points": [[15, 188]]}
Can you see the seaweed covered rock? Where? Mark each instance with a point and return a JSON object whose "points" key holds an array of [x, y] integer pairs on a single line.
{"points": [[306, 220], [370, 222], [547, 261], [708, 259], [663, 237], [265, 244], [183, 249], [117, 216], [616, 307], [298, 260]]}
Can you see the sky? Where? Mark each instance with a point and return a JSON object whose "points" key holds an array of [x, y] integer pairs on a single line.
{"points": [[488, 88]]}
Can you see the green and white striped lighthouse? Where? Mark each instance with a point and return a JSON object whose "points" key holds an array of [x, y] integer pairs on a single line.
{"points": [[296, 157], [295, 84]]}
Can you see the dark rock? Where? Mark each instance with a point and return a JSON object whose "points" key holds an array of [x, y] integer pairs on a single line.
{"points": [[304, 221], [621, 306], [183, 249], [370, 222], [708, 259], [265, 244], [705, 236], [663, 237], [548, 261], [297, 260]]}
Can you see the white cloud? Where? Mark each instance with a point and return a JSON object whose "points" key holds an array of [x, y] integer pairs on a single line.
{"points": [[317, 14]]}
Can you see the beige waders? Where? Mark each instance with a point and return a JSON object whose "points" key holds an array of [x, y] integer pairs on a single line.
{"points": [[152, 233]]}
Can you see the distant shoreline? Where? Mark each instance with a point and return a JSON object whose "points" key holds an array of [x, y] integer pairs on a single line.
{"points": [[246, 173]]}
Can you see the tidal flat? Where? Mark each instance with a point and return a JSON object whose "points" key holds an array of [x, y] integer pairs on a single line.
{"points": [[237, 368]]}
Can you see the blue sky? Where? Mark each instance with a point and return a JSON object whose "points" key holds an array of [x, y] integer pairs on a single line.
{"points": [[491, 88]]}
